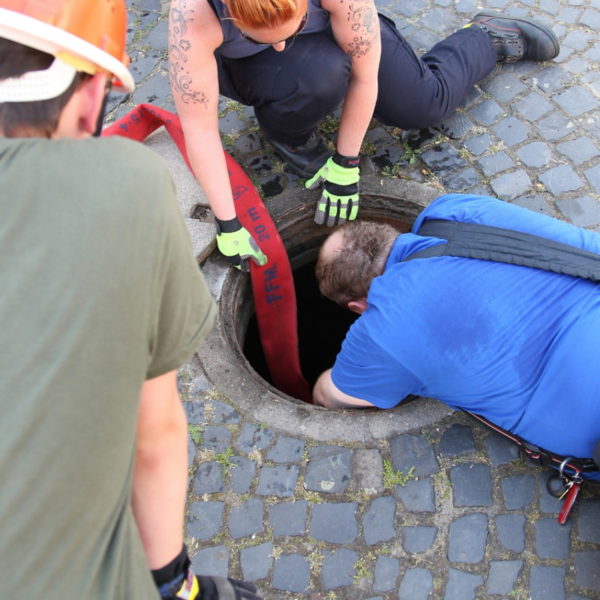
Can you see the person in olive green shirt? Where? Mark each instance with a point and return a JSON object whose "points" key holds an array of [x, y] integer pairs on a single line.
{"points": [[102, 300]]}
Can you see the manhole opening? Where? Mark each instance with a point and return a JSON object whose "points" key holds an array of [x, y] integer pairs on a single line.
{"points": [[322, 324]]}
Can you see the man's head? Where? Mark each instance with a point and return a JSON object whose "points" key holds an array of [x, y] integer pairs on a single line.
{"points": [[271, 22], [350, 258], [53, 51]]}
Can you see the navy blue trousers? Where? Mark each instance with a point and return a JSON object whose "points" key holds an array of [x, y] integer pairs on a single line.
{"points": [[292, 91]]}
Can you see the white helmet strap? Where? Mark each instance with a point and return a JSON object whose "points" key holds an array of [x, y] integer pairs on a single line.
{"points": [[38, 85]]}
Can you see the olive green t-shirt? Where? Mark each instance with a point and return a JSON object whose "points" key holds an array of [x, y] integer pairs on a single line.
{"points": [[99, 291]]}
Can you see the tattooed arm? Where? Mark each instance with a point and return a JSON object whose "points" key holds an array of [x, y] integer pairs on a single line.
{"points": [[194, 34], [355, 25]]}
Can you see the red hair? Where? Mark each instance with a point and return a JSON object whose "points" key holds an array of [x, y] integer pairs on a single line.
{"points": [[263, 13]]}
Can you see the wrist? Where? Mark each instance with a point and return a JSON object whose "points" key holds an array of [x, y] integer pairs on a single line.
{"points": [[228, 226], [347, 162]]}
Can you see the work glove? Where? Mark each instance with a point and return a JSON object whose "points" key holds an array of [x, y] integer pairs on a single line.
{"points": [[176, 581], [202, 587], [237, 245], [339, 199]]}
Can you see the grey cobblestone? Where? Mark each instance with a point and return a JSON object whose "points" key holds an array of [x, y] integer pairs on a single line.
{"points": [[588, 521], [378, 520], [207, 519], [587, 574], [286, 450], [530, 133], [410, 451], [289, 518], [547, 583], [462, 585], [579, 151], [518, 491], [387, 570], [536, 154], [417, 584], [511, 185], [256, 561], [583, 211], [278, 481], [511, 131], [533, 106], [211, 561], [417, 496], [552, 539], [338, 568], [246, 519], [457, 440], [472, 484], [503, 574], [495, 163], [291, 573], [561, 179], [216, 439], [208, 478], [334, 522], [467, 538], [242, 474], [500, 449], [418, 538], [329, 469], [511, 532], [554, 127]]}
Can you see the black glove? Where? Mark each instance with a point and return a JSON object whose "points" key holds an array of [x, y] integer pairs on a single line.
{"points": [[219, 588], [176, 581]]}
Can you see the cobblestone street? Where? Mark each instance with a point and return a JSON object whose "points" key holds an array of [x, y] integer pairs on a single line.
{"points": [[445, 511]]}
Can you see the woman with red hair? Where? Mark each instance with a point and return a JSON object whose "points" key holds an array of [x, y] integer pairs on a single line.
{"points": [[295, 61]]}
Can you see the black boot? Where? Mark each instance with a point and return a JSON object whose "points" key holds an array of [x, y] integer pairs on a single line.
{"points": [[517, 39], [307, 159]]}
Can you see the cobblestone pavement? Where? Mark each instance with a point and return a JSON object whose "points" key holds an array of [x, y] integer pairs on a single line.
{"points": [[450, 510]]}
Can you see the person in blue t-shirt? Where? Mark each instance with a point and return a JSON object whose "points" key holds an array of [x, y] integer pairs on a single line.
{"points": [[514, 344]]}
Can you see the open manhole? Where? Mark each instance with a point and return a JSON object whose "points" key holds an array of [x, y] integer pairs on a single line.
{"points": [[232, 356]]}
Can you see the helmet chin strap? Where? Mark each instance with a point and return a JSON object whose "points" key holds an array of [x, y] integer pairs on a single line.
{"points": [[101, 114], [38, 85]]}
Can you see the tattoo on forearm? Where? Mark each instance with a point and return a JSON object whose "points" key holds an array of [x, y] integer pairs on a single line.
{"points": [[362, 18], [179, 47]]}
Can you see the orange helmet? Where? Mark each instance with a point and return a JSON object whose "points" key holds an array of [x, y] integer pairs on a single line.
{"points": [[88, 35]]}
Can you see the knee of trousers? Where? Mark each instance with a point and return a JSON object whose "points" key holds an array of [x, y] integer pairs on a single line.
{"points": [[415, 116], [320, 86]]}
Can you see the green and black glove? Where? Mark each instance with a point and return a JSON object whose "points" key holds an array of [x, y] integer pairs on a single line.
{"points": [[237, 245], [176, 581], [339, 200]]}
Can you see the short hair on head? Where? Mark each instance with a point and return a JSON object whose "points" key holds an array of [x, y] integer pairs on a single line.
{"points": [[263, 13], [25, 119], [346, 272]]}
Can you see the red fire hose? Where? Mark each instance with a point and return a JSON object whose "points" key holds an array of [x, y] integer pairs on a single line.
{"points": [[272, 284]]}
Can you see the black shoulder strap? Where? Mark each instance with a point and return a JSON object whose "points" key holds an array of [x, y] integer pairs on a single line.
{"points": [[485, 242]]}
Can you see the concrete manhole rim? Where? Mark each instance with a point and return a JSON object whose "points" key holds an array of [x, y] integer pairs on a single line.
{"points": [[232, 375]]}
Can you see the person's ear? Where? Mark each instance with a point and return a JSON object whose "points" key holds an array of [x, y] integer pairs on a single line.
{"points": [[358, 306], [93, 91]]}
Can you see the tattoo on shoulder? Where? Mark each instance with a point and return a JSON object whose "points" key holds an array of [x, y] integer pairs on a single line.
{"points": [[362, 18], [179, 48]]}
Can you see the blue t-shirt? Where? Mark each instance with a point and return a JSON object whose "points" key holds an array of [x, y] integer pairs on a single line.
{"points": [[516, 345]]}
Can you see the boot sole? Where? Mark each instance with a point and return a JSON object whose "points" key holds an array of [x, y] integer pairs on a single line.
{"points": [[530, 22]]}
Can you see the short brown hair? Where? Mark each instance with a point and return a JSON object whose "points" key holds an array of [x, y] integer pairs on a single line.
{"points": [[346, 273], [263, 13], [26, 119]]}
